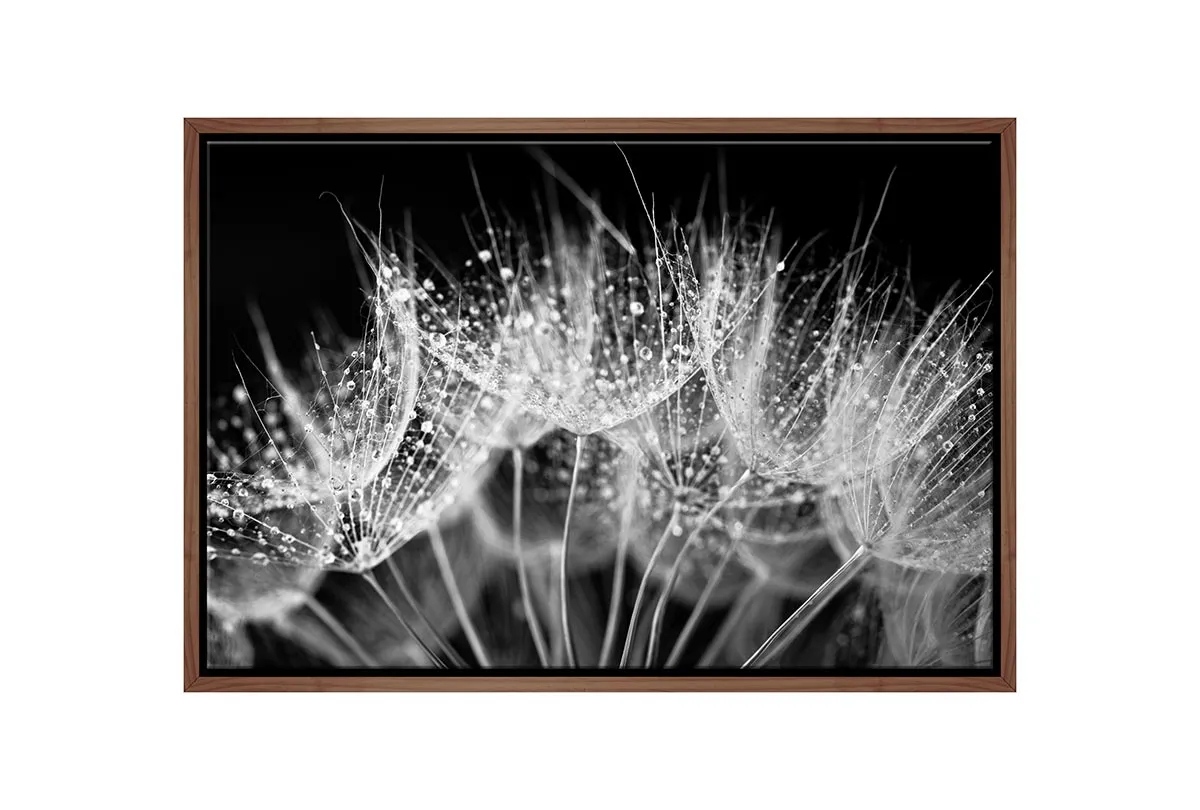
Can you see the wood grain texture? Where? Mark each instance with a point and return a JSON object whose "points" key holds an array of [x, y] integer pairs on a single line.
{"points": [[195, 682], [584, 126], [191, 406], [1008, 405], [607, 683]]}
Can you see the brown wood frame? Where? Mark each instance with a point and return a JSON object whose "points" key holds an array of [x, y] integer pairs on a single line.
{"points": [[195, 127]]}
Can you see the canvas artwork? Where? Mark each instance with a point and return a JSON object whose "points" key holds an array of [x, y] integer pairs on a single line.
{"points": [[570, 405]]}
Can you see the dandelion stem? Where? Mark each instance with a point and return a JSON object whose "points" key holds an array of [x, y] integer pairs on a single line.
{"points": [[732, 619], [562, 571], [660, 609], [338, 629], [412, 602], [370, 577], [698, 609], [539, 642], [618, 585], [460, 607], [645, 583], [804, 614]]}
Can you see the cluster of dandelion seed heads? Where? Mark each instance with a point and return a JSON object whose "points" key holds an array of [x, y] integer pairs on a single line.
{"points": [[749, 406], [581, 330]]}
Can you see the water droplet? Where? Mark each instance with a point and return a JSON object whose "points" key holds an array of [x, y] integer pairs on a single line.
{"points": [[506, 274], [485, 255], [947, 445], [636, 308], [427, 426], [645, 353]]}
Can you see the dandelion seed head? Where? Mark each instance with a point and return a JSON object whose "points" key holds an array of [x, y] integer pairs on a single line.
{"points": [[931, 507]]}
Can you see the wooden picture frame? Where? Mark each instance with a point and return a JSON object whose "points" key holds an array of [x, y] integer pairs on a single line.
{"points": [[195, 132]]}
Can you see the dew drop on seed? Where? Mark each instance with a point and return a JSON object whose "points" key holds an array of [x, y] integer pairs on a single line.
{"points": [[948, 445], [506, 274], [427, 426], [645, 353], [485, 255], [636, 308]]}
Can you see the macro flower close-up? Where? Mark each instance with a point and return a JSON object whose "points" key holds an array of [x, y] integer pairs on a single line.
{"points": [[605, 407]]}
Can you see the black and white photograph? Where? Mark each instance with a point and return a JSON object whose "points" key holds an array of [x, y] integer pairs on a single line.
{"points": [[573, 404]]}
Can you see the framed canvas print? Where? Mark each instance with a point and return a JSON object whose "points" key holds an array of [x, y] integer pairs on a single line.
{"points": [[599, 404]]}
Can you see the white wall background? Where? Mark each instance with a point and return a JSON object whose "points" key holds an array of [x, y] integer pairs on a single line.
{"points": [[91, 189]]}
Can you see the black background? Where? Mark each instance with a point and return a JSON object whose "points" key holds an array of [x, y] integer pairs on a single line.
{"points": [[274, 236]]}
